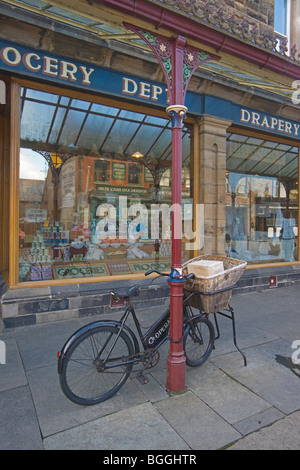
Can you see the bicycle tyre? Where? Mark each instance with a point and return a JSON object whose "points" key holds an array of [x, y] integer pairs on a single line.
{"points": [[83, 381], [199, 341]]}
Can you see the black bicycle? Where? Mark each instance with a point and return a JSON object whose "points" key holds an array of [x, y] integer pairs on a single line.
{"points": [[97, 359]]}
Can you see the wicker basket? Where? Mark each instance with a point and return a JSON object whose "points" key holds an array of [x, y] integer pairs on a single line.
{"points": [[214, 291]]}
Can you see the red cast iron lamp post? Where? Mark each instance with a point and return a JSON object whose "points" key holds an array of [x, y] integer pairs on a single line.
{"points": [[178, 62], [176, 358]]}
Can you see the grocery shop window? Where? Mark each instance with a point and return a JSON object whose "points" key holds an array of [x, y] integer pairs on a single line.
{"points": [[92, 177], [261, 200]]}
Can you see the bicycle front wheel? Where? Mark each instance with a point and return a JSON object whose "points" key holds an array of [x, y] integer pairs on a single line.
{"points": [[96, 365], [199, 341]]}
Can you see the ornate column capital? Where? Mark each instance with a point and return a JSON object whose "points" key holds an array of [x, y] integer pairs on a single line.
{"points": [[177, 112]]}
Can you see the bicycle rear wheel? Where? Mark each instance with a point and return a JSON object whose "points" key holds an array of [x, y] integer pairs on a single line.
{"points": [[86, 376], [199, 341]]}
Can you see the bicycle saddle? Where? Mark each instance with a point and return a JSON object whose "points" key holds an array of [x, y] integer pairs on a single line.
{"points": [[127, 291]]}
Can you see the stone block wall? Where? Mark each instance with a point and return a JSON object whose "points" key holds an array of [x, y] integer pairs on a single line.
{"points": [[23, 307], [38, 305], [259, 12], [254, 11], [212, 177]]}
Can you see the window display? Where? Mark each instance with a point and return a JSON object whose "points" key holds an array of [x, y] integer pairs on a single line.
{"points": [[261, 200], [95, 189]]}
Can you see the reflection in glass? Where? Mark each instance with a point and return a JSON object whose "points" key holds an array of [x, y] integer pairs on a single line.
{"points": [[261, 200], [88, 208]]}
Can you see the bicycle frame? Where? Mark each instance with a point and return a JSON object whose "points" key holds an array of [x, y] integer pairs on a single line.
{"points": [[158, 332], [154, 337]]}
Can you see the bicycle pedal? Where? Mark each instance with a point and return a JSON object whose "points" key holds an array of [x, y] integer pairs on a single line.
{"points": [[143, 379]]}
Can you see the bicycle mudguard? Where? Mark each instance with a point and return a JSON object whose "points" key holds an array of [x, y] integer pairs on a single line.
{"points": [[61, 354], [187, 324]]}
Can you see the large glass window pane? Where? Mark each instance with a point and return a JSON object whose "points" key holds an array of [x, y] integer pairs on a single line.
{"points": [[42, 115], [95, 130], [261, 200], [88, 206]]}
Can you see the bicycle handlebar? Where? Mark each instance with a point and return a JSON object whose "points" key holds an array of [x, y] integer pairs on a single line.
{"points": [[189, 276], [155, 271]]}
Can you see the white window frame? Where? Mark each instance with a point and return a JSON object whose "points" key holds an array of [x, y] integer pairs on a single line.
{"points": [[287, 25]]}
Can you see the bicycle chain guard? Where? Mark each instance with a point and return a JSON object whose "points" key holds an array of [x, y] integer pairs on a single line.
{"points": [[150, 359]]}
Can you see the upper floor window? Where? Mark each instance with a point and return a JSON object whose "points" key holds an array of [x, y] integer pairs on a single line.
{"points": [[282, 17]]}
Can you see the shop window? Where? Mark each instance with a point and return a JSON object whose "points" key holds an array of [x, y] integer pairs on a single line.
{"points": [[101, 171], [261, 200], [95, 189], [166, 178], [134, 174]]}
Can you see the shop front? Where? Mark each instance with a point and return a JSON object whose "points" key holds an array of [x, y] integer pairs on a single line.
{"points": [[90, 193]]}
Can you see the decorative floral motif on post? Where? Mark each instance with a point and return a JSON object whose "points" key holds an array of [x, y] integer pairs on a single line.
{"points": [[191, 60], [161, 47]]}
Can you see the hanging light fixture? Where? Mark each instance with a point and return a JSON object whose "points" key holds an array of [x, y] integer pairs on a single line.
{"points": [[56, 160], [137, 155]]}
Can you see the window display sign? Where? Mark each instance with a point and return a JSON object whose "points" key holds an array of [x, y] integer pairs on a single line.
{"points": [[119, 171], [35, 215], [122, 190], [68, 172]]}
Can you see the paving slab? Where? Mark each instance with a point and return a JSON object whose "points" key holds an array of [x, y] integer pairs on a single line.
{"points": [[140, 427], [268, 300], [228, 397], [12, 373], [247, 335], [39, 344], [56, 413], [265, 376], [198, 424], [259, 420], [19, 428], [284, 434], [272, 312], [153, 390]]}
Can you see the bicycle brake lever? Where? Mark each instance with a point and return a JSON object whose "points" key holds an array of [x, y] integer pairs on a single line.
{"points": [[190, 276]]}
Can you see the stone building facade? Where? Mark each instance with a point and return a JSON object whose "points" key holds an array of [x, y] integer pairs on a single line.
{"points": [[84, 92]]}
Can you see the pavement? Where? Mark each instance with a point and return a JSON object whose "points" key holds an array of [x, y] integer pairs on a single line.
{"points": [[225, 406]]}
